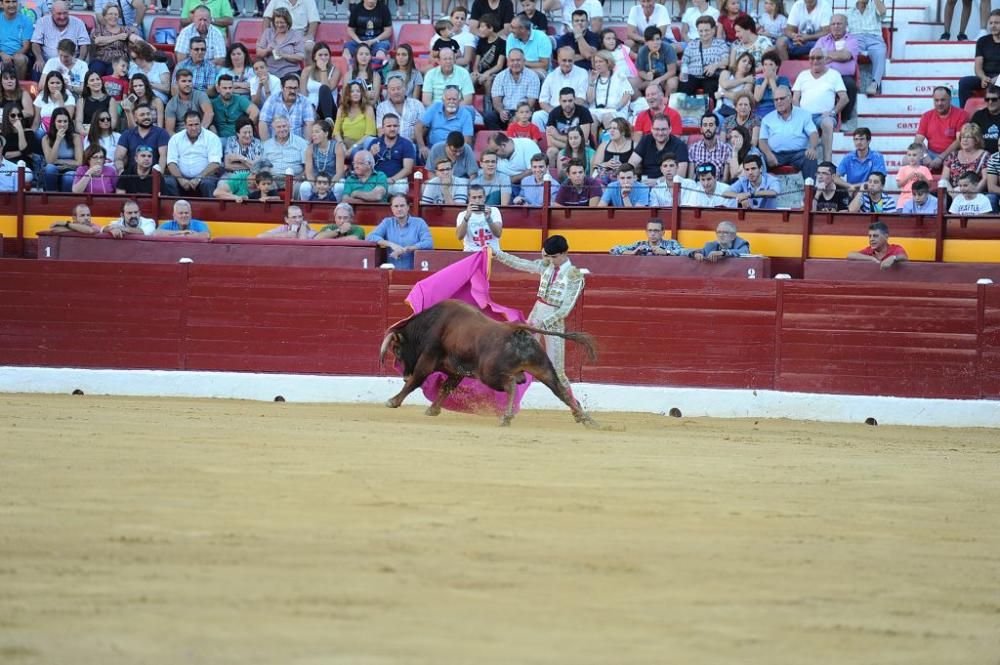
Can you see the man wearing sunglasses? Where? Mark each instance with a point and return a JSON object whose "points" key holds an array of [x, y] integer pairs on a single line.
{"points": [[788, 135], [987, 67], [988, 119]]}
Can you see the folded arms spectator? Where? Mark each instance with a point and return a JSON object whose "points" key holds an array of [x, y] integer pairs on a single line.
{"points": [[879, 250]]}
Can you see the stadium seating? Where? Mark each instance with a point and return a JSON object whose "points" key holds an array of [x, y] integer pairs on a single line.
{"points": [[418, 36], [161, 22], [88, 19], [482, 140], [334, 35], [247, 32]]}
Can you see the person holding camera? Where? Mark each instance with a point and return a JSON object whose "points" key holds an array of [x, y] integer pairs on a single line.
{"points": [[479, 225]]}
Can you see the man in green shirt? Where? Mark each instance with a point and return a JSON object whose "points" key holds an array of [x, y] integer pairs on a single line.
{"points": [[343, 224], [229, 107], [365, 185]]}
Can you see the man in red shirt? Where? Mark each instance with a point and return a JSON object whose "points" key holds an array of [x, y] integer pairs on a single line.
{"points": [[879, 250], [657, 106], [939, 128]]}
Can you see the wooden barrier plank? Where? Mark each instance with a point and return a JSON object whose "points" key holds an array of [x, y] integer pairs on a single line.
{"points": [[910, 271]]}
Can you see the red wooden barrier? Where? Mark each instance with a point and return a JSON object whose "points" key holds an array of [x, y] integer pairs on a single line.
{"points": [[929, 340], [910, 271]]}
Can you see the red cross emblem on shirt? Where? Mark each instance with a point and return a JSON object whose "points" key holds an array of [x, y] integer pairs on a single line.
{"points": [[482, 237]]}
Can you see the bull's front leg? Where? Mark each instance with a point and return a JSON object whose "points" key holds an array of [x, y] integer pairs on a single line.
{"points": [[446, 389], [421, 371], [511, 389]]}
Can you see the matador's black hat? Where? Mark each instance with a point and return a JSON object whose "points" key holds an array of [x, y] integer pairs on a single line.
{"points": [[555, 245]]}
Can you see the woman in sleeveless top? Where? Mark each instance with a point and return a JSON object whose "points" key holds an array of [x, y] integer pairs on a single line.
{"points": [[324, 155], [94, 98], [63, 151], [615, 151], [319, 80], [362, 72]]}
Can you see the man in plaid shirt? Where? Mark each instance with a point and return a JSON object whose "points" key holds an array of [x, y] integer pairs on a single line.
{"points": [[297, 108], [710, 150], [653, 245]]}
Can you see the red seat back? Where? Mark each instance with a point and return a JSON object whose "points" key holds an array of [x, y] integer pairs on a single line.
{"points": [[87, 18], [333, 34], [418, 36]]}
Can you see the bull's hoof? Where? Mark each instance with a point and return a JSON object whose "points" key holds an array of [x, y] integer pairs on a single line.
{"points": [[432, 411], [589, 422], [393, 403], [505, 421]]}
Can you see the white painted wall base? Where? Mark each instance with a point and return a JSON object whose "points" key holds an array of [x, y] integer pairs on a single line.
{"points": [[692, 402]]}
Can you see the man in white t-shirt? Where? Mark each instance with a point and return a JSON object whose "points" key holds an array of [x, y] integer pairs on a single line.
{"points": [[643, 15], [479, 225], [808, 20], [594, 9], [514, 154], [820, 91]]}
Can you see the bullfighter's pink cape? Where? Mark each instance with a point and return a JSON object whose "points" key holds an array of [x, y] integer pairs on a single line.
{"points": [[467, 280]]}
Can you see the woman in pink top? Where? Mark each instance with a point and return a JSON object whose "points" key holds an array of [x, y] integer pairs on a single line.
{"points": [[95, 176]]}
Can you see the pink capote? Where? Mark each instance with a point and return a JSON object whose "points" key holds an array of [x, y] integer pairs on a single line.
{"points": [[467, 280]]}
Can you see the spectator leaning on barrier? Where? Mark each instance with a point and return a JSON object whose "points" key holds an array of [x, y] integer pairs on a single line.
{"points": [[864, 21], [343, 225], [182, 224], [653, 245], [81, 222], [479, 224], [401, 234], [131, 222], [939, 127], [755, 189], [726, 245], [879, 250], [871, 198], [922, 202], [295, 226]]}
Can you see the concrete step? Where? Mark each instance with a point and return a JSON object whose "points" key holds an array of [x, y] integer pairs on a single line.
{"points": [[894, 104], [903, 125], [915, 30], [881, 142], [914, 86], [938, 50], [952, 69], [909, 14]]}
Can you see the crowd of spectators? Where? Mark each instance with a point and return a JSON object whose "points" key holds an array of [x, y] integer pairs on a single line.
{"points": [[581, 113]]}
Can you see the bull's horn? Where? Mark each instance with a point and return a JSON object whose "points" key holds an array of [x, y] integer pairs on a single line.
{"points": [[385, 346]]}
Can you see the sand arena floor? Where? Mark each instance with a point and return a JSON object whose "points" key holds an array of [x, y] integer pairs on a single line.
{"points": [[181, 531]]}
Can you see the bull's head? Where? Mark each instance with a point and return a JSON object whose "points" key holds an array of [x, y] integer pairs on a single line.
{"points": [[390, 343]]}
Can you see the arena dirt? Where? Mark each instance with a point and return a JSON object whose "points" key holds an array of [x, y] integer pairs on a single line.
{"points": [[181, 531]]}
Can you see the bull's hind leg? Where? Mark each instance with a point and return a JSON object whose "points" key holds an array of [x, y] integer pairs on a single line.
{"points": [[547, 375], [421, 371], [446, 389]]}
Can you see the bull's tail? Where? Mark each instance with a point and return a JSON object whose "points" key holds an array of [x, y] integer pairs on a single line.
{"points": [[581, 338]]}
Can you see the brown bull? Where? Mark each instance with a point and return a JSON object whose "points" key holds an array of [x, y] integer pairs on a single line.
{"points": [[459, 340]]}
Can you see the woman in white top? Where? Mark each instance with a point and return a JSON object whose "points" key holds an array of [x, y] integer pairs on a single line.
{"points": [[319, 80], [52, 96], [608, 95], [690, 18], [238, 66], [734, 83]]}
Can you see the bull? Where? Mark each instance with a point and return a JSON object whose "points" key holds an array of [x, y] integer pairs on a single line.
{"points": [[456, 338]]}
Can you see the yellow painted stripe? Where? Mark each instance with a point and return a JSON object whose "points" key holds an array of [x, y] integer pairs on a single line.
{"points": [[972, 251], [8, 226], [838, 247]]}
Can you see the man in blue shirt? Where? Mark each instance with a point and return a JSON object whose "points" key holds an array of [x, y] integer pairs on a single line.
{"points": [[626, 191], [440, 119], [922, 202], [394, 155], [15, 37], [855, 167], [401, 234], [754, 189], [182, 224], [788, 136]]}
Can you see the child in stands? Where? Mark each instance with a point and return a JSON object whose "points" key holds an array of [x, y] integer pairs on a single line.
{"points": [[970, 202], [321, 188], [922, 202], [871, 198], [522, 127], [116, 83], [772, 22], [444, 38], [911, 172]]}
